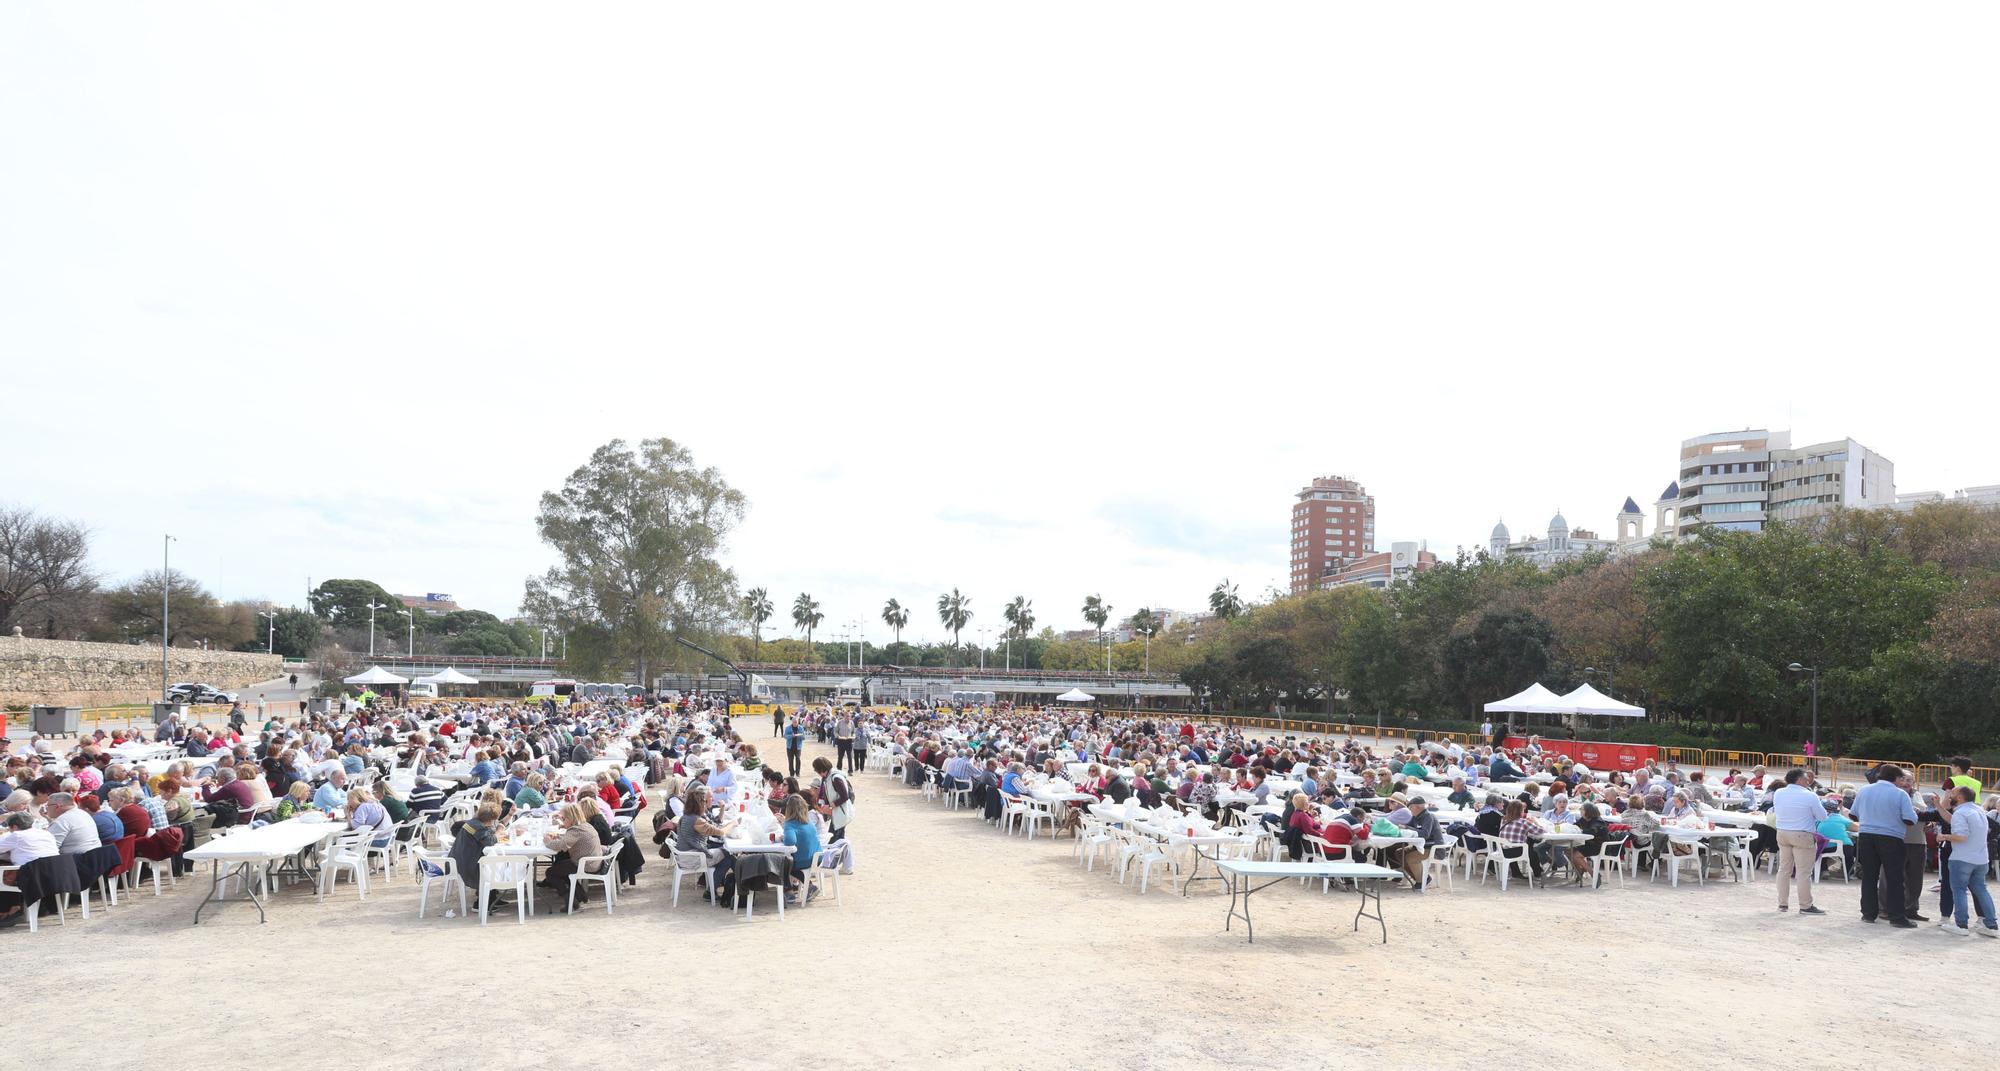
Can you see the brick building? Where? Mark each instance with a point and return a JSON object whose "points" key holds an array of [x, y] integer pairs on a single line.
{"points": [[1333, 523]]}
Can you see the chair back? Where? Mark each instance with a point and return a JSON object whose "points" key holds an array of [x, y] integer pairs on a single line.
{"points": [[128, 846]]}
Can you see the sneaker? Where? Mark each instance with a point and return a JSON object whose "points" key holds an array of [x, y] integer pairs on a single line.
{"points": [[1939, 887], [1783, 907], [1811, 911], [1954, 929], [1987, 931]]}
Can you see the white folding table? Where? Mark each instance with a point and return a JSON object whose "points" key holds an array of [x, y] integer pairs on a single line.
{"points": [[1241, 872], [254, 848]]}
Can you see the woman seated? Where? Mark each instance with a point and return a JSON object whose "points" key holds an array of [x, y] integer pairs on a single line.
{"points": [[138, 822], [607, 790], [295, 801], [803, 838], [575, 839], [1592, 822], [367, 815], [695, 830], [251, 775], [531, 797], [1299, 823], [109, 829]]}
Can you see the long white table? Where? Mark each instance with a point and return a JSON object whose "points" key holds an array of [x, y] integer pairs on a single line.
{"points": [[1241, 872], [262, 847]]}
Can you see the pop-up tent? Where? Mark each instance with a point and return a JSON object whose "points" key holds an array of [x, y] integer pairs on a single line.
{"points": [[1588, 700], [1075, 695], [1534, 699], [375, 675], [448, 675]]}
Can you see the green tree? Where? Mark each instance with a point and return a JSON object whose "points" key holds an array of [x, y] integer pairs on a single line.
{"points": [[1020, 616], [1097, 612], [806, 615], [295, 633], [1224, 602], [1505, 652], [757, 608], [344, 603], [638, 534], [954, 612], [131, 611], [897, 617]]}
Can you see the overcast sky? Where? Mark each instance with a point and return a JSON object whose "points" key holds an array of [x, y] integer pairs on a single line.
{"points": [[1036, 299]]}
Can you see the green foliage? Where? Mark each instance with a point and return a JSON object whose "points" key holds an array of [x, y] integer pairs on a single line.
{"points": [[344, 603], [638, 533], [295, 633]]}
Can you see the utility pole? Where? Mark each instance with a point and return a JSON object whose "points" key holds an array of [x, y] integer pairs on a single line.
{"points": [[372, 607], [166, 585]]}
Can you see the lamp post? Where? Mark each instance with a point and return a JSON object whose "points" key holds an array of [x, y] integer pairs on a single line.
{"points": [[1813, 740], [166, 585], [982, 647], [545, 644], [271, 631], [372, 607], [413, 630]]}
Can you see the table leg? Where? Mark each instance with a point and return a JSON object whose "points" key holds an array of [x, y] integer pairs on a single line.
{"points": [[1371, 888]]}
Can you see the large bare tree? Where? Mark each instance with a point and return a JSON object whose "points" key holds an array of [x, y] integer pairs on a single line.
{"points": [[45, 577]]}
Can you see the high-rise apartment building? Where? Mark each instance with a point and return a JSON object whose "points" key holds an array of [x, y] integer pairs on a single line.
{"points": [[1743, 480], [1333, 523]]}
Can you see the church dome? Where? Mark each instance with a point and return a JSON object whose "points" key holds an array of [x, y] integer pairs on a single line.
{"points": [[1557, 524], [1500, 531]]}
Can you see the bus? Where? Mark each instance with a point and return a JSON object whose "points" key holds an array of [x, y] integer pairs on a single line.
{"points": [[561, 689]]}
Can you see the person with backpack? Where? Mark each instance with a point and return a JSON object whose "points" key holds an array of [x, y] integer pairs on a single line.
{"points": [[836, 799]]}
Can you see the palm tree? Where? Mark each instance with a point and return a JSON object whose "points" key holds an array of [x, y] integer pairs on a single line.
{"points": [[757, 607], [1223, 602], [954, 610], [1146, 623], [1020, 618], [1097, 612], [895, 616], [806, 615]]}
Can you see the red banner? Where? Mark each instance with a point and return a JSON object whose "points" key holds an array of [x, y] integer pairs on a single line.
{"points": [[1596, 754]]}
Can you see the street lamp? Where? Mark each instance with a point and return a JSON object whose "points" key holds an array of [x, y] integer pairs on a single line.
{"points": [[413, 630], [545, 643], [271, 631], [372, 607], [1812, 741], [982, 646], [166, 585]]}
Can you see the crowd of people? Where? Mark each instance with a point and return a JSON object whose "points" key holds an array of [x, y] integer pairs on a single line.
{"points": [[388, 772]]}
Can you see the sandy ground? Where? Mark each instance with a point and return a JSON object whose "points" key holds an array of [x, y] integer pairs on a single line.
{"points": [[957, 944]]}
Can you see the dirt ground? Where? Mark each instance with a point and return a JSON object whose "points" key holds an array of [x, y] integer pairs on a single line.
{"points": [[960, 945]]}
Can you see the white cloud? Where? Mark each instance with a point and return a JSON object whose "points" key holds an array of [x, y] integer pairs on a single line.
{"points": [[1043, 300]]}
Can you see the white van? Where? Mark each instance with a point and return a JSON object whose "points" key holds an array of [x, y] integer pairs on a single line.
{"points": [[421, 690]]}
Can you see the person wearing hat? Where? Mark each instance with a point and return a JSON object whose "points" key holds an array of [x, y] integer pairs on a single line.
{"points": [[1416, 817]]}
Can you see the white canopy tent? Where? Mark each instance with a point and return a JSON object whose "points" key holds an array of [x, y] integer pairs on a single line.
{"points": [[1534, 699], [1588, 700], [1075, 695], [375, 675], [448, 675]]}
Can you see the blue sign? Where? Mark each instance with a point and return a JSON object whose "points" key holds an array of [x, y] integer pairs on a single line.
{"points": [[436, 596]]}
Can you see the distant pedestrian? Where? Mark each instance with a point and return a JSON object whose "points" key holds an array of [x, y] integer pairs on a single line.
{"points": [[295, 680]]}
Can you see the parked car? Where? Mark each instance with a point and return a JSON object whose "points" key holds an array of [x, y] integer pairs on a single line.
{"points": [[199, 693]]}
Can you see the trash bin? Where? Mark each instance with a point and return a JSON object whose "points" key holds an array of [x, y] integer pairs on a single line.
{"points": [[319, 706], [163, 711], [58, 721]]}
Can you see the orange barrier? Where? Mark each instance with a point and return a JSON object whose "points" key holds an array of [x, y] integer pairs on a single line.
{"points": [[1686, 756], [1723, 759]]}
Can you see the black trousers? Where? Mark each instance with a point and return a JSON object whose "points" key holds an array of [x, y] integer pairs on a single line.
{"points": [[792, 761], [843, 754], [1882, 877], [1944, 880], [1913, 878]]}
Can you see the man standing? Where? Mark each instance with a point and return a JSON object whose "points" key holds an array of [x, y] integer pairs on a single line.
{"points": [[843, 740], [795, 742], [1797, 812], [1915, 847], [1966, 872], [778, 722], [1883, 812]]}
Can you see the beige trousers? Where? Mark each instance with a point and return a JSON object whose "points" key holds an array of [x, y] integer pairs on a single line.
{"points": [[1798, 854]]}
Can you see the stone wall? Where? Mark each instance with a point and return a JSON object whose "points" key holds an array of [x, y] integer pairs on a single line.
{"points": [[64, 673]]}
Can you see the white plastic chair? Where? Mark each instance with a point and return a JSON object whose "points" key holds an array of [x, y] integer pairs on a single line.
{"points": [[607, 877], [1695, 856], [1476, 850], [32, 908], [511, 872], [1437, 859], [349, 852], [688, 865], [1092, 836], [1610, 856], [1504, 856], [824, 872], [1833, 856], [1036, 813], [747, 898], [450, 877]]}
